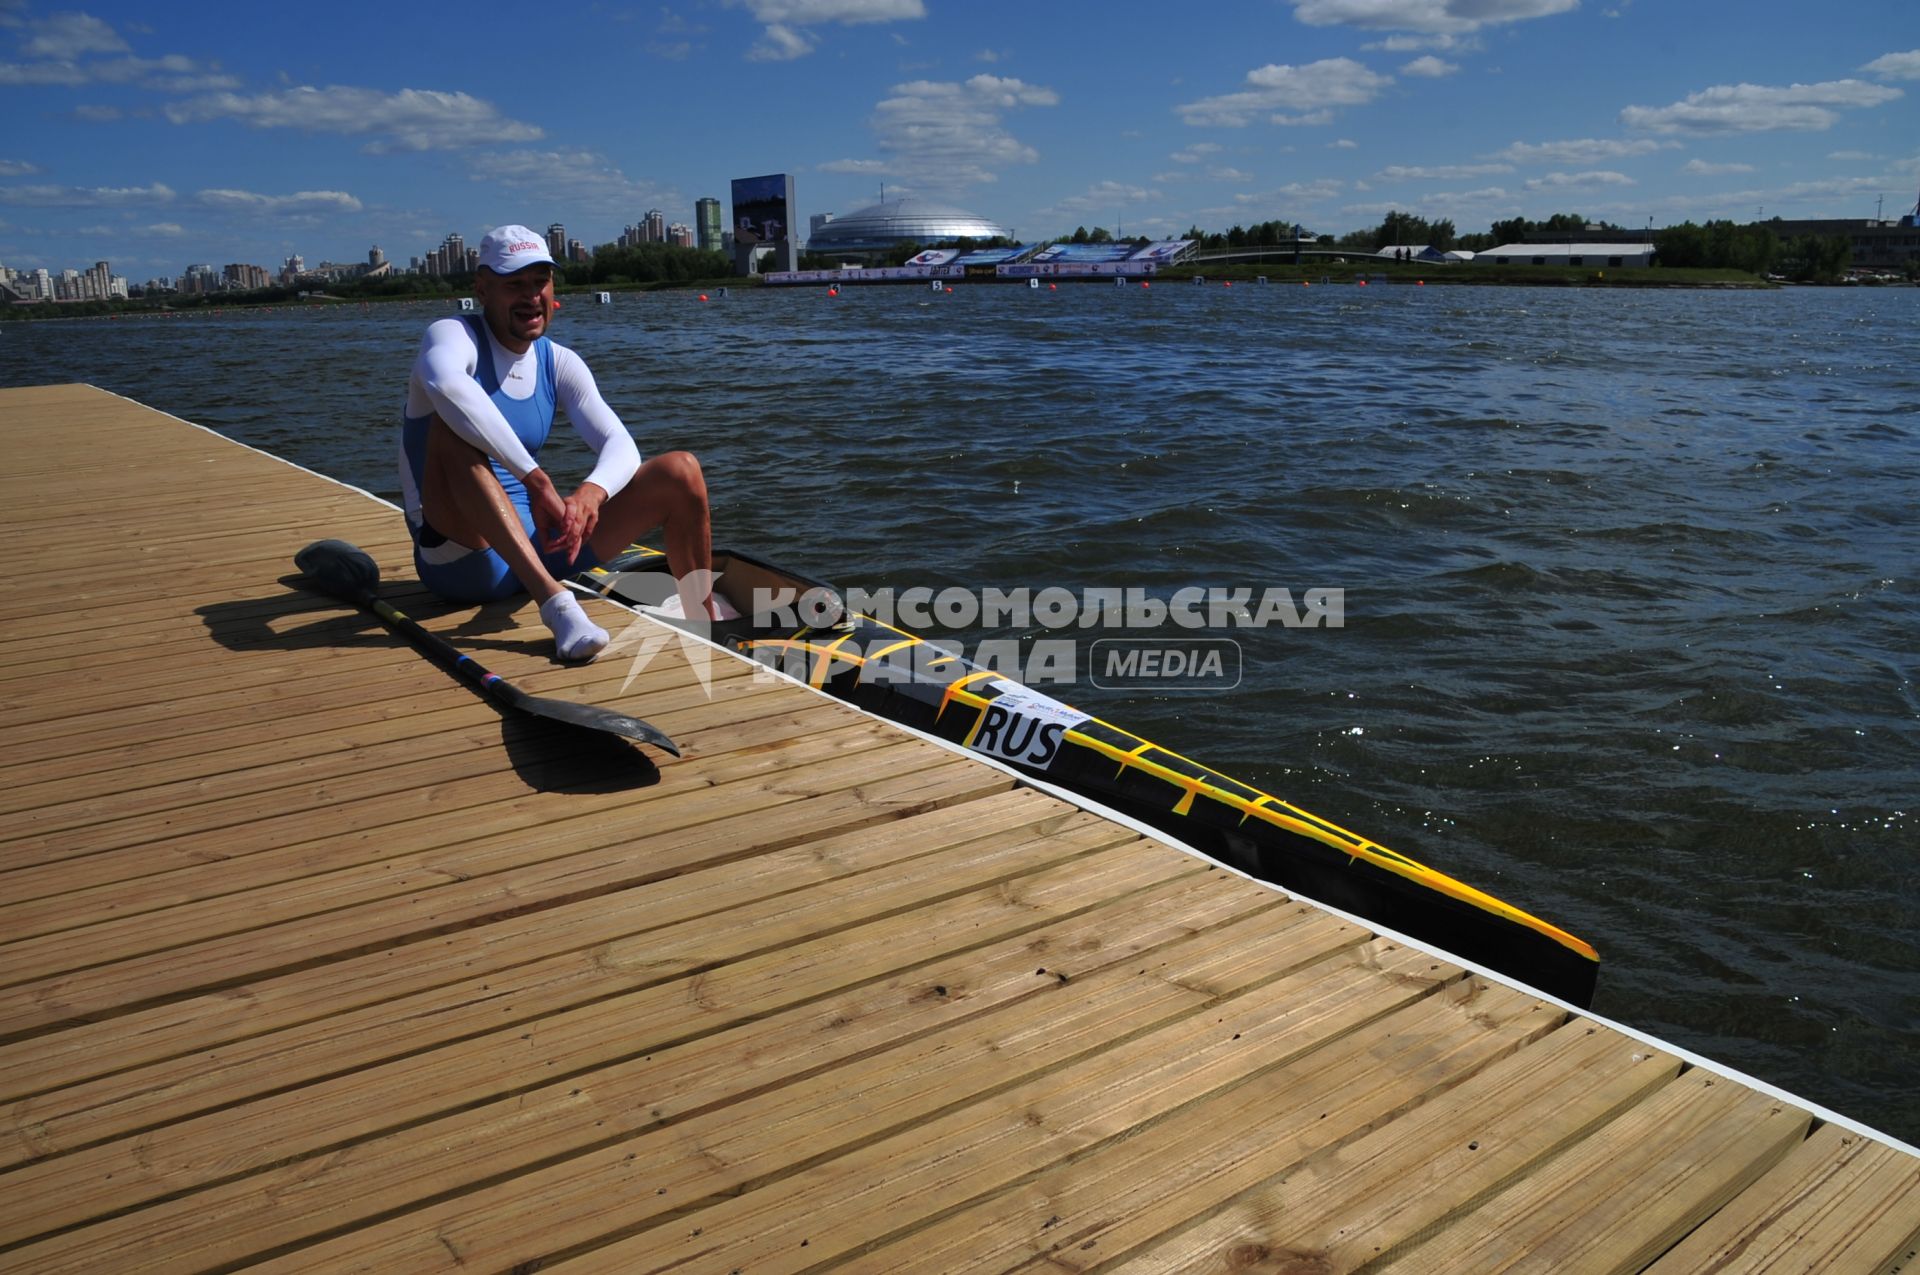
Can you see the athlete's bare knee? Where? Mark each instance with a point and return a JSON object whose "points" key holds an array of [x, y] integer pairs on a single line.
{"points": [[683, 473]]}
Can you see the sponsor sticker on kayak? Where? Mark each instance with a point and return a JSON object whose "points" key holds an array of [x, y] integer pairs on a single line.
{"points": [[1022, 725]]}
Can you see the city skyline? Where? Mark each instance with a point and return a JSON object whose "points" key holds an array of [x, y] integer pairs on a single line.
{"points": [[156, 138]]}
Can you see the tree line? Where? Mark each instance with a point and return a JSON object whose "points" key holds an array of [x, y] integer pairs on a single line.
{"points": [[1723, 245]]}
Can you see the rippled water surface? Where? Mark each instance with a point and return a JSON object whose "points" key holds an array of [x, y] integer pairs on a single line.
{"points": [[1631, 600]]}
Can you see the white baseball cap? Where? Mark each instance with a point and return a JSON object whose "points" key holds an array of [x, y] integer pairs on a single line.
{"points": [[510, 248]]}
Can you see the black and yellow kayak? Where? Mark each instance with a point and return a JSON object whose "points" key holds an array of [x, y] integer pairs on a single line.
{"points": [[898, 675]]}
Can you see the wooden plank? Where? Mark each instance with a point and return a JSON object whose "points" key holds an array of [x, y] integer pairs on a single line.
{"points": [[1619, 1199], [146, 915], [1343, 1207], [715, 1110], [1837, 1202], [211, 964], [310, 997], [880, 1187], [78, 1114], [104, 1179], [351, 801], [256, 762]]}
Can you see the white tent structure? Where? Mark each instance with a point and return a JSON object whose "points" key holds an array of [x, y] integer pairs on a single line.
{"points": [[1567, 254], [1415, 252]]}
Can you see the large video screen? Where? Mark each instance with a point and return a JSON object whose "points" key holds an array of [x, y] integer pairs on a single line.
{"points": [[762, 208]]}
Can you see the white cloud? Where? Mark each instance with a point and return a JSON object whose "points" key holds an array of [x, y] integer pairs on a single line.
{"points": [[780, 43], [852, 166], [1440, 172], [811, 13], [1311, 88], [1104, 197], [299, 203], [947, 135], [1343, 144], [583, 178], [1311, 119], [1438, 17], [1701, 168], [1896, 66], [1429, 67], [1229, 175], [1758, 108], [785, 37], [97, 114], [17, 168], [1853, 157], [1292, 193], [1416, 43], [1581, 151], [170, 74], [85, 196], [1579, 181], [64, 36], [410, 120], [1195, 153]]}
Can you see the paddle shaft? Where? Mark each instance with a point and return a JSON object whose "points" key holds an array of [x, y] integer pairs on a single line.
{"points": [[443, 653]]}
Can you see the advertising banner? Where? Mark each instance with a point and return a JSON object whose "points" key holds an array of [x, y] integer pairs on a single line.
{"points": [[1084, 252]]}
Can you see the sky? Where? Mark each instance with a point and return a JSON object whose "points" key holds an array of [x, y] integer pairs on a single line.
{"points": [[157, 135]]}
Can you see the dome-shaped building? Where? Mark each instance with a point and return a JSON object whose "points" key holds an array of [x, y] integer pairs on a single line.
{"points": [[881, 227]]}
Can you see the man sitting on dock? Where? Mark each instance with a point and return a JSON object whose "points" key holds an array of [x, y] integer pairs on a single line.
{"points": [[487, 521]]}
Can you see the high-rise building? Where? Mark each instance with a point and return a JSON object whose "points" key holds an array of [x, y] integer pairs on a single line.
{"points": [[456, 253], [557, 241], [680, 235], [707, 222], [815, 222], [243, 278], [375, 257], [576, 252], [656, 224]]}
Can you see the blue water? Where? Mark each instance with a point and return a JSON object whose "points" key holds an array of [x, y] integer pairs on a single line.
{"points": [[1631, 593]]}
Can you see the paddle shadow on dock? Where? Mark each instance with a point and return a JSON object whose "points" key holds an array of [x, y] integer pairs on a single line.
{"points": [[547, 756]]}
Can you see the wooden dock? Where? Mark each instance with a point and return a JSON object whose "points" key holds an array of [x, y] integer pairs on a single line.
{"points": [[309, 960]]}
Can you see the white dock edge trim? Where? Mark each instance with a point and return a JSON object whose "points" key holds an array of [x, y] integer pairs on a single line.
{"points": [[1092, 806], [228, 438]]}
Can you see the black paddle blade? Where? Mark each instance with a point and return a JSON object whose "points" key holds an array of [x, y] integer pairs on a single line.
{"points": [[602, 719], [339, 569]]}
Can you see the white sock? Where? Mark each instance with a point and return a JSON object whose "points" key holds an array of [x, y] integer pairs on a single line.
{"points": [[575, 637]]}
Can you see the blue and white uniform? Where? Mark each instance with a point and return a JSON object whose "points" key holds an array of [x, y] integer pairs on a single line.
{"points": [[502, 403]]}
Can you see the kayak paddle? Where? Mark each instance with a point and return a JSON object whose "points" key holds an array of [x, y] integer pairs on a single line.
{"points": [[344, 571]]}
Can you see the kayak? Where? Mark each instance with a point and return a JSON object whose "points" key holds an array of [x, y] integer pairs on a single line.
{"points": [[809, 633]]}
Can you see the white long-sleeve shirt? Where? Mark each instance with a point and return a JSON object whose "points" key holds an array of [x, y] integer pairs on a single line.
{"points": [[443, 382]]}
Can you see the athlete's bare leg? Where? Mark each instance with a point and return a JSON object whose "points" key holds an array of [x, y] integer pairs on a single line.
{"points": [[462, 499], [669, 491]]}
